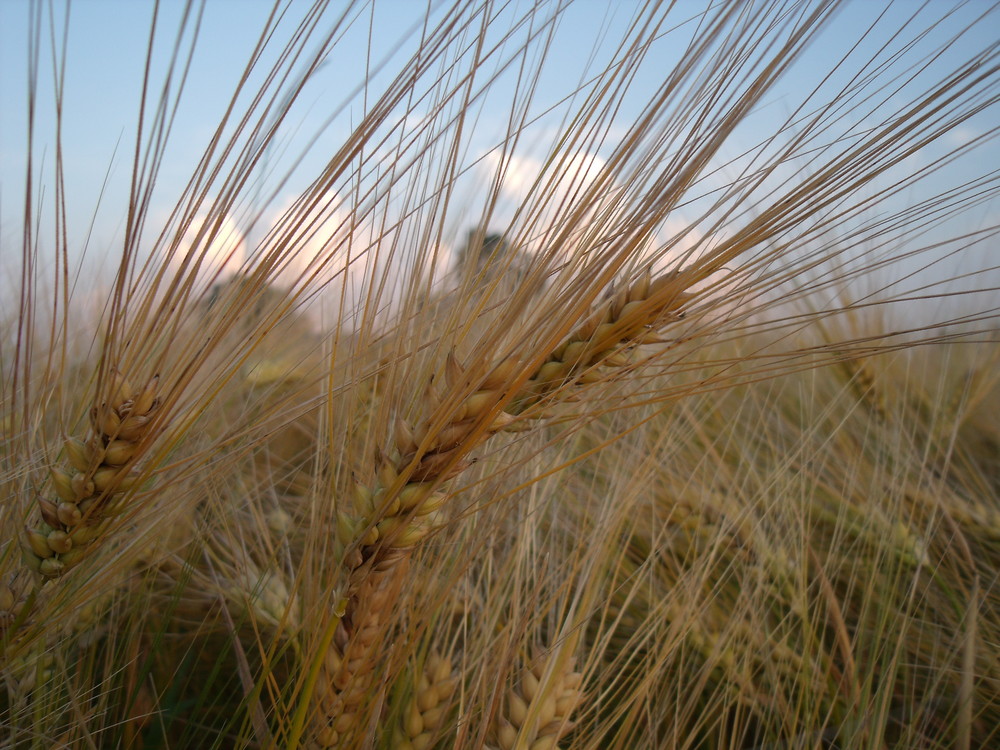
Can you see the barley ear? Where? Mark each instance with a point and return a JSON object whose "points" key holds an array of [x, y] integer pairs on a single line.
{"points": [[426, 712], [536, 713], [390, 518], [625, 319], [87, 490]]}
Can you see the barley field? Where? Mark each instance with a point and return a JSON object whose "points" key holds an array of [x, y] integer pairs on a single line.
{"points": [[545, 375]]}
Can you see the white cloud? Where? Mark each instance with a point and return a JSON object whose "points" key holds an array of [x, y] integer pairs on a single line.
{"points": [[570, 174], [555, 191], [307, 240], [961, 135], [674, 242], [218, 252], [340, 257], [313, 246]]}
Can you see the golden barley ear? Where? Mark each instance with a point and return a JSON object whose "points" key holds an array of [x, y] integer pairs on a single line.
{"points": [[537, 712], [426, 713], [389, 519], [626, 318], [88, 490], [404, 503]]}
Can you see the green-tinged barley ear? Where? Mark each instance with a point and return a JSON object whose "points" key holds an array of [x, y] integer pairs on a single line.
{"points": [[265, 596], [414, 494], [389, 528], [410, 535], [370, 537], [432, 503], [388, 473], [364, 501], [346, 529]]}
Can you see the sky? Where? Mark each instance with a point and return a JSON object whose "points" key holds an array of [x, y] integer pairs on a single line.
{"points": [[106, 42]]}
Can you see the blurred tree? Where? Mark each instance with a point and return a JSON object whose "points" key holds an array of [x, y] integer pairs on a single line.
{"points": [[492, 253]]}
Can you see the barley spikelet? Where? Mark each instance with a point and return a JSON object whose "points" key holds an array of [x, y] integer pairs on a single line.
{"points": [[624, 319], [427, 709], [99, 470], [348, 669], [29, 671], [264, 597], [536, 715], [404, 504]]}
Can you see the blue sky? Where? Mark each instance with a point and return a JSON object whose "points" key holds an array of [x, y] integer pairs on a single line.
{"points": [[107, 47]]}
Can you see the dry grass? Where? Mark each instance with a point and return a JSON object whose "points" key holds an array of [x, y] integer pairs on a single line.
{"points": [[597, 485]]}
